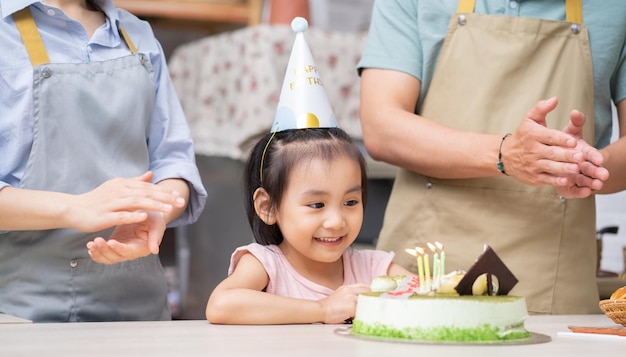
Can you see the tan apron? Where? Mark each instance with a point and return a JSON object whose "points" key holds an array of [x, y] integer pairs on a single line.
{"points": [[490, 72]]}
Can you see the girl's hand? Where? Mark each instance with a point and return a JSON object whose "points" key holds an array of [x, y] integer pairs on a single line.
{"points": [[341, 305]]}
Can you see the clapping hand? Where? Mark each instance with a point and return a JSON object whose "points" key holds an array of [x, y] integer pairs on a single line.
{"points": [[592, 175], [129, 241], [135, 206], [537, 155]]}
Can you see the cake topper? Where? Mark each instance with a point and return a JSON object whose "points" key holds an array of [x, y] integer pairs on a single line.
{"points": [[490, 264], [303, 102]]}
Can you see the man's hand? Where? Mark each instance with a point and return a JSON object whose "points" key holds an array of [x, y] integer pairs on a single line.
{"points": [[536, 155], [592, 175]]}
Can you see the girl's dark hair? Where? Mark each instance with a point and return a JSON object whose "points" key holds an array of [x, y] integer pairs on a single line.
{"points": [[285, 151]]}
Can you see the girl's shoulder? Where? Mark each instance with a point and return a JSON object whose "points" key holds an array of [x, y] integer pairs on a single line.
{"points": [[266, 254]]}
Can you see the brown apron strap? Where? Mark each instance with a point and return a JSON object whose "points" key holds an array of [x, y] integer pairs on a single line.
{"points": [[33, 43], [30, 35], [573, 9]]}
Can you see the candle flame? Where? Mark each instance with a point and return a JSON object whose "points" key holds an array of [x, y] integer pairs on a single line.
{"points": [[439, 245], [411, 251], [432, 247], [420, 250]]}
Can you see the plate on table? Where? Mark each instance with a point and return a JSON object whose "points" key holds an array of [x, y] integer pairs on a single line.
{"points": [[534, 338]]}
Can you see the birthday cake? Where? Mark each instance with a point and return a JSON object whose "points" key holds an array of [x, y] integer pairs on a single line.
{"points": [[461, 307]]}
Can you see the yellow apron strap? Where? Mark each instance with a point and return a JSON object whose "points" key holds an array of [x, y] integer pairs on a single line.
{"points": [[32, 40], [466, 6], [574, 11], [127, 39], [30, 35]]}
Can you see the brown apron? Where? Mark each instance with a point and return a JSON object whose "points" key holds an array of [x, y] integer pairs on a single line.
{"points": [[490, 72]]}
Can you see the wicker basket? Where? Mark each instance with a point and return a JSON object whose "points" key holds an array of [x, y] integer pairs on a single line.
{"points": [[615, 310]]}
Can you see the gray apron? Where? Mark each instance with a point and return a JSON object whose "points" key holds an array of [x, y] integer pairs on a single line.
{"points": [[91, 123], [490, 72]]}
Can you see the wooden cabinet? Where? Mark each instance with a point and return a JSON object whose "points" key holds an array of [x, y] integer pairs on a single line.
{"points": [[244, 13]]}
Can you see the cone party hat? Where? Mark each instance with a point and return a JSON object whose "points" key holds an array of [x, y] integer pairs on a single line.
{"points": [[303, 102]]}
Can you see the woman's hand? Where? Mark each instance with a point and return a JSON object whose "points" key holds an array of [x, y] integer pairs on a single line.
{"points": [[129, 241], [121, 201]]}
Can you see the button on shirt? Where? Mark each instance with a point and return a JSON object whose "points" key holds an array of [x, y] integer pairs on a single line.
{"points": [[69, 43]]}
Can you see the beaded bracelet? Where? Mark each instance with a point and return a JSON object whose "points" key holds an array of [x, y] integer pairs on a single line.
{"points": [[500, 164]]}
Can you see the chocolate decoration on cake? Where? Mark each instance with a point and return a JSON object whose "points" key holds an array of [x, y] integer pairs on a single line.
{"points": [[488, 263]]}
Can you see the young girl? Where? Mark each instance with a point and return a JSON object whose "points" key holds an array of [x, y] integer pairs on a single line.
{"points": [[305, 192]]}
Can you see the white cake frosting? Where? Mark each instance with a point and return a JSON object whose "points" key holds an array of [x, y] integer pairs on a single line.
{"points": [[441, 317], [429, 311]]}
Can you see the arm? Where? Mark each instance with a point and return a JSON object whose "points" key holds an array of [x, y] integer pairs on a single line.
{"points": [[615, 155], [240, 299], [533, 154], [115, 202]]}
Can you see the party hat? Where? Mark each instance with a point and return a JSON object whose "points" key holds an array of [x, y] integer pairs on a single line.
{"points": [[303, 102]]}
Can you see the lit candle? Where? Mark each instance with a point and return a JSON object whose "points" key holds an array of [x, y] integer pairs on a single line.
{"points": [[420, 265], [420, 269], [427, 270], [423, 268], [436, 275], [442, 264], [436, 270], [414, 253]]}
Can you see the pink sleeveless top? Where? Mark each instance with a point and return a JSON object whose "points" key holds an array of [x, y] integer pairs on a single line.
{"points": [[360, 266]]}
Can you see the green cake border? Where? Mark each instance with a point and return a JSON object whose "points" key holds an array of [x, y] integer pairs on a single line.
{"points": [[480, 334]]}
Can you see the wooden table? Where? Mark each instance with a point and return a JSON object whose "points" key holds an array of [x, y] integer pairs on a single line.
{"points": [[199, 338]]}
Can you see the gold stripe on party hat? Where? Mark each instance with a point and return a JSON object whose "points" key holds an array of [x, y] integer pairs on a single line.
{"points": [[303, 102]]}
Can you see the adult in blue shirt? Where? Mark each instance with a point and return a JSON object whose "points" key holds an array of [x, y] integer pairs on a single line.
{"points": [[447, 91], [97, 160]]}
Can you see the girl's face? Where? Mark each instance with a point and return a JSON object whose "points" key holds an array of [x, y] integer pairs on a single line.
{"points": [[321, 210]]}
